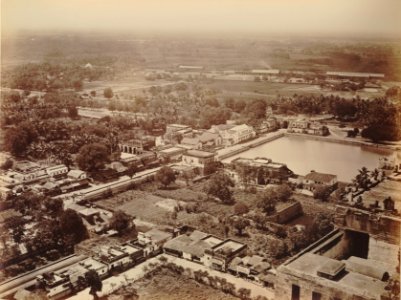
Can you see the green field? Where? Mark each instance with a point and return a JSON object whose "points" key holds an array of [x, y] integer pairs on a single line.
{"points": [[252, 89]]}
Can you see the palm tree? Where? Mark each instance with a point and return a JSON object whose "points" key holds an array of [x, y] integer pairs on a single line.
{"points": [[375, 173]]}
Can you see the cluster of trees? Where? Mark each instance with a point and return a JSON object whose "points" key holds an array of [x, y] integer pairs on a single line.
{"points": [[122, 223], [57, 139], [17, 107], [56, 228], [219, 186], [291, 240], [380, 116], [269, 199], [52, 76], [165, 176]]}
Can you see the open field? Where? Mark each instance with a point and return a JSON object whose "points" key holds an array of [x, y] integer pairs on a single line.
{"points": [[144, 206], [252, 89], [169, 286]]}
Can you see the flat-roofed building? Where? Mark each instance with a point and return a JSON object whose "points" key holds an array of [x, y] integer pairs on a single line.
{"points": [[57, 171], [198, 158], [261, 170], [171, 153], [233, 134], [338, 266], [153, 240], [220, 255]]}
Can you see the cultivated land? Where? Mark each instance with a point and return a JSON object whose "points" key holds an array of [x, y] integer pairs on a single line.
{"points": [[169, 286], [144, 77], [251, 89], [140, 204]]}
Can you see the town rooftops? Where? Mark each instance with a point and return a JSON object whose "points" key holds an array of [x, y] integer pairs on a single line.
{"points": [[172, 150], [320, 177], [191, 244], [60, 166], [190, 67], [355, 74], [26, 167], [199, 154], [92, 264], [258, 162], [238, 128], [177, 126], [75, 173], [265, 71], [222, 127], [207, 136], [195, 243], [157, 235], [229, 246], [190, 141]]}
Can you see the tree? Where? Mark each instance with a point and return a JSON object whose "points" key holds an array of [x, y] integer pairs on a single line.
{"points": [[165, 176], [267, 202], [322, 192], [212, 167], [320, 226], [219, 186], [16, 225], [53, 205], [72, 227], [95, 283], [241, 208], [108, 93], [8, 164], [284, 192], [244, 293], [277, 248], [121, 222], [18, 139], [240, 224], [73, 112], [92, 157]]}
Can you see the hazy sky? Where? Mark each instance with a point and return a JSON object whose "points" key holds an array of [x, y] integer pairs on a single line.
{"points": [[271, 16]]}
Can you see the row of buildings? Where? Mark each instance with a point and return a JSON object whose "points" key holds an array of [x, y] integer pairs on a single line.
{"points": [[351, 262], [225, 255], [104, 259], [262, 171], [41, 178]]}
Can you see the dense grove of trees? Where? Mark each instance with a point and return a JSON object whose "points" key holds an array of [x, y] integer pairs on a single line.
{"points": [[220, 186], [52, 76], [381, 117], [122, 222], [55, 227], [92, 157]]}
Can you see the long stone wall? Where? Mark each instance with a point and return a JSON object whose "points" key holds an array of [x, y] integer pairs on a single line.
{"points": [[250, 146]]}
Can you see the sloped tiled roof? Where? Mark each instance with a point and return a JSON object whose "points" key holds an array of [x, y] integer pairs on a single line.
{"points": [[320, 177]]}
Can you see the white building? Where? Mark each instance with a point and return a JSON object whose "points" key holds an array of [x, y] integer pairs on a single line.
{"points": [[234, 134], [198, 158]]}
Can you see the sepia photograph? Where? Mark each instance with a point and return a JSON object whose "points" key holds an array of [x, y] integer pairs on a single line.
{"points": [[200, 149]]}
